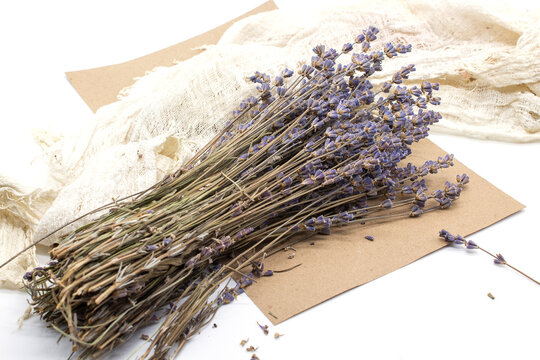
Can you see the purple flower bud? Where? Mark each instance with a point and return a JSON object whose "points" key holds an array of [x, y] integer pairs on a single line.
{"points": [[264, 89], [426, 87], [499, 260], [415, 211], [228, 298], [151, 247], [444, 203], [286, 182], [264, 328], [287, 73], [443, 233], [459, 240], [206, 252], [435, 100], [333, 114], [319, 50], [471, 245], [463, 179], [245, 280], [407, 190], [347, 47], [386, 86], [360, 39], [52, 262], [278, 81], [390, 50], [402, 49], [387, 204]]}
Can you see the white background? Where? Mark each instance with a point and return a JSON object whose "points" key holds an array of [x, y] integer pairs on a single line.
{"points": [[435, 308]]}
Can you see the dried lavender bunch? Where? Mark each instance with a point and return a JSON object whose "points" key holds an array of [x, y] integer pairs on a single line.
{"points": [[307, 154], [471, 245]]}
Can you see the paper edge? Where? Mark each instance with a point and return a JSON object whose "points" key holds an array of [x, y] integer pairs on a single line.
{"points": [[89, 82]]}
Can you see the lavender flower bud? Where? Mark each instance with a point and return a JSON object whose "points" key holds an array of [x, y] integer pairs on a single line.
{"points": [[167, 241], [319, 50], [444, 203], [255, 77], [278, 81], [370, 33], [360, 39], [245, 280], [387, 204], [415, 211], [28, 275], [420, 199], [287, 73], [385, 87], [151, 247], [459, 240], [426, 87], [463, 179], [206, 252], [331, 54], [471, 245], [390, 50], [325, 231], [402, 49], [396, 78], [228, 297], [500, 260], [346, 48], [443, 233]]}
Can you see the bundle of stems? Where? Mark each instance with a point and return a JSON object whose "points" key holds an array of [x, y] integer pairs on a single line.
{"points": [[309, 153]]}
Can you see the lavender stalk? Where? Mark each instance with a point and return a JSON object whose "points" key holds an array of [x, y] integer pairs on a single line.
{"points": [[471, 245]]}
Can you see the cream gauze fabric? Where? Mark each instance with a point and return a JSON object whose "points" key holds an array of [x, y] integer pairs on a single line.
{"points": [[487, 60]]}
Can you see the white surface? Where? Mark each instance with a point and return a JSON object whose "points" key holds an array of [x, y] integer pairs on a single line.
{"points": [[435, 308]]}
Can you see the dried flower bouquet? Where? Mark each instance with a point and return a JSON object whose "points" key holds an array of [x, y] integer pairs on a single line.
{"points": [[308, 153]]}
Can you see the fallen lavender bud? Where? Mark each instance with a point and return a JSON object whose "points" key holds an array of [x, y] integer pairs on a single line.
{"points": [[264, 328]]}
